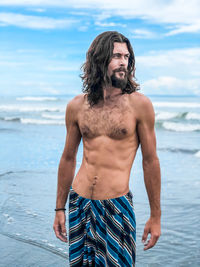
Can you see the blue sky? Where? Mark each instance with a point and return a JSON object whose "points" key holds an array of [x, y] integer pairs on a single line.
{"points": [[44, 43]]}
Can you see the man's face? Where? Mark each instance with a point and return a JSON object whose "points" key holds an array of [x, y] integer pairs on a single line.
{"points": [[117, 68]]}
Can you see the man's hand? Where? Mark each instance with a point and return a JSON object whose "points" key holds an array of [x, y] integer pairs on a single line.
{"points": [[59, 226], [152, 227]]}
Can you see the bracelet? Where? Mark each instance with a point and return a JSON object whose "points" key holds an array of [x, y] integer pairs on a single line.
{"points": [[60, 209]]}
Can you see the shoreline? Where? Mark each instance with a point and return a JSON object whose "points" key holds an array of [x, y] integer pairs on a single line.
{"points": [[19, 253]]}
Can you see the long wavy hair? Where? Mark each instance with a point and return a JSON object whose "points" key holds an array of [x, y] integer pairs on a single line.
{"points": [[95, 68]]}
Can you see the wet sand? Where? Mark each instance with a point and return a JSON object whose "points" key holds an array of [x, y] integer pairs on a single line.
{"points": [[27, 255]]}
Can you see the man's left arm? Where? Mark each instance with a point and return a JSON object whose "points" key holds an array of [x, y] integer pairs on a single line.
{"points": [[151, 168]]}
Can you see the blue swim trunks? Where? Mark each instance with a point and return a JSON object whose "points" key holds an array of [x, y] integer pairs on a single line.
{"points": [[101, 232]]}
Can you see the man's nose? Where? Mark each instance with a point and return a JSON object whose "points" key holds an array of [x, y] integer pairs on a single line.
{"points": [[122, 61]]}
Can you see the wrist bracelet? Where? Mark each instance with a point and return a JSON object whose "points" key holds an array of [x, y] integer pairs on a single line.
{"points": [[60, 209]]}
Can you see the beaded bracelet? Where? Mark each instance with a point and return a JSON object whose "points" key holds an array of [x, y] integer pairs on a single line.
{"points": [[60, 209]]}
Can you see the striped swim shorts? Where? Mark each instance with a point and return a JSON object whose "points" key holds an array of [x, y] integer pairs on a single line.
{"points": [[101, 232]]}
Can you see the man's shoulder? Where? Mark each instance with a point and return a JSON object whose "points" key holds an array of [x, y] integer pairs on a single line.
{"points": [[76, 102], [139, 99], [142, 106], [73, 107], [77, 99]]}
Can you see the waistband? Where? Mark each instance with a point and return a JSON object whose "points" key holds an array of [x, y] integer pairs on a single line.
{"points": [[129, 195]]}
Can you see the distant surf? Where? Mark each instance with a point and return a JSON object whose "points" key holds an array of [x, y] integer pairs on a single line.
{"points": [[191, 151], [47, 110], [181, 127], [37, 98], [177, 104], [37, 121], [55, 121], [50, 116], [165, 115], [32, 108]]}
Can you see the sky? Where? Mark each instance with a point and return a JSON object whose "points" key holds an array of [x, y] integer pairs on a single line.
{"points": [[44, 43]]}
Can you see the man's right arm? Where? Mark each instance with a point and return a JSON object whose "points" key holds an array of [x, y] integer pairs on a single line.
{"points": [[67, 166]]}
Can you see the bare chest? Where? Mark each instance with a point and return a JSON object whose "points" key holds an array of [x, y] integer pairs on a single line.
{"points": [[114, 121]]}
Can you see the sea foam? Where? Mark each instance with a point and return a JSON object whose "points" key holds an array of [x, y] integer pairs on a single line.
{"points": [[166, 115], [192, 116], [180, 127], [30, 108], [55, 117], [177, 104], [44, 122], [198, 154]]}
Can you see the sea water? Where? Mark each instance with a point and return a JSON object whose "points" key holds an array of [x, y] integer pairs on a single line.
{"points": [[32, 138]]}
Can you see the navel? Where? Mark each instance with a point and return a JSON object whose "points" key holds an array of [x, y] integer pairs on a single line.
{"points": [[93, 185], [95, 180]]}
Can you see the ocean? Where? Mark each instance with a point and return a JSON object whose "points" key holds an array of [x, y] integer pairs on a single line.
{"points": [[32, 138]]}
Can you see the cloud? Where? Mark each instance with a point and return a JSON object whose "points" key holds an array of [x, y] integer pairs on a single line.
{"points": [[11, 64], [47, 87], [29, 51], [83, 28], [187, 59], [50, 90], [171, 85], [35, 22], [193, 28], [39, 10], [71, 67], [109, 24], [153, 11], [143, 34], [102, 16], [170, 72]]}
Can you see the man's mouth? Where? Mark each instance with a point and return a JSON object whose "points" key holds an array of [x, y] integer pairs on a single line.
{"points": [[121, 71]]}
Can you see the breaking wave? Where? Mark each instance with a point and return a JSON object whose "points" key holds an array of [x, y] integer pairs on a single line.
{"points": [[177, 104], [181, 127], [164, 115]]}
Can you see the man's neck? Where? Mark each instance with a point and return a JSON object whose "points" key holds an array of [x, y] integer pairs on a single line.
{"points": [[110, 93]]}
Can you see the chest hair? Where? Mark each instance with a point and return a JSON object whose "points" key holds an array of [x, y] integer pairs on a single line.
{"points": [[111, 120]]}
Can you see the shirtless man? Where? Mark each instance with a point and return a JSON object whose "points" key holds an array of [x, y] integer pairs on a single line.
{"points": [[112, 119]]}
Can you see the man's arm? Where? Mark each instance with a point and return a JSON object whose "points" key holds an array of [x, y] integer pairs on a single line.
{"points": [[151, 168], [67, 167]]}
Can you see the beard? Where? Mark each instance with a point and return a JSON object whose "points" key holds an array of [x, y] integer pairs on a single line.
{"points": [[119, 82]]}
